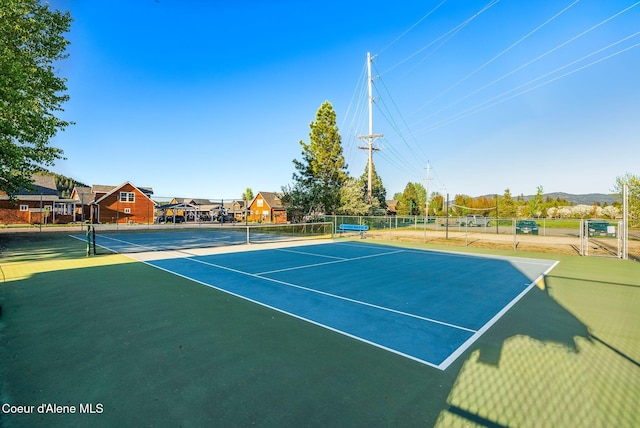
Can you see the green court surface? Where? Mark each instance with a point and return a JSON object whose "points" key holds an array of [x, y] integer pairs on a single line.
{"points": [[124, 344]]}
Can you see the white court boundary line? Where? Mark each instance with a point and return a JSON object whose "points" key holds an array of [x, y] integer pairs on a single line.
{"points": [[442, 366], [335, 296], [455, 354], [328, 263], [344, 333]]}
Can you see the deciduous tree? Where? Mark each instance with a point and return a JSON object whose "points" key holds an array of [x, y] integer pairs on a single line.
{"points": [[633, 181], [408, 201], [31, 94], [352, 198], [247, 195], [535, 207]]}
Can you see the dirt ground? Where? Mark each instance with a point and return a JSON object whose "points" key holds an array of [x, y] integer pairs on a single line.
{"points": [[541, 244]]}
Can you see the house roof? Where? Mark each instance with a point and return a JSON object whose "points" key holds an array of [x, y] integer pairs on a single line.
{"points": [[116, 188], [201, 202], [233, 203], [177, 205], [193, 201], [44, 187], [101, 188], [272, 199], [83, 194]]}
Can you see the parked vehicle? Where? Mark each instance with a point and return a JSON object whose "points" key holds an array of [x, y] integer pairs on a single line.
{"points": [[170, 219], [225, 218], [600, 228], [470, 220], [473, 220], [526, 227]]}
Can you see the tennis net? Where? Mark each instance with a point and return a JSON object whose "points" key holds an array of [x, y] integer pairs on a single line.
{"points": [[130, 239]]}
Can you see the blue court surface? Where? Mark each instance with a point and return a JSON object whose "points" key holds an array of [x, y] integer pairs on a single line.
{"points": [[425, 305]]}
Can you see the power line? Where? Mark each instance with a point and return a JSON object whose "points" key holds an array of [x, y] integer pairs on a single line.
{"points": [[532, 61], [502, 97], [504, 51], [412, 27], [447, 35]]}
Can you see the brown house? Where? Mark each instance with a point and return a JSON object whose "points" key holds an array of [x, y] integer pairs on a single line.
{"points": [[123, 204], [392, 207], [267, 207], [31, 206], [236, 209]]}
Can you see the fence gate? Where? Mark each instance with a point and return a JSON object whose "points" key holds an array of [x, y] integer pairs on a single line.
{"points": [[601, 238]]}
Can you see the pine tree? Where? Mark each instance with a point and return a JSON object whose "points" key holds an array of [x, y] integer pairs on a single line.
{"points": [[507, 206], [322, 171], [378, 192]]}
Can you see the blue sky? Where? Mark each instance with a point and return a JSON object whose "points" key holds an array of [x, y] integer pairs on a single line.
{"points": [[203, 98]]}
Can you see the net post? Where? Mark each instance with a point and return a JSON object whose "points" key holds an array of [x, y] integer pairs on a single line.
{"points": [[88, 239]]}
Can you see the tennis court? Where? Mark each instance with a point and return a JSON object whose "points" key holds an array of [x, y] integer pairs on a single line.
{"points": [[425, 305], [157, 349]]}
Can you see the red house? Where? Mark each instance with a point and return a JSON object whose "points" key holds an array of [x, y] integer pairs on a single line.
{"points": [[34, 206], [267, 207], [123, 204]]}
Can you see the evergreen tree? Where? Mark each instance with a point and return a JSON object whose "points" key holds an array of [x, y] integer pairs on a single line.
{"points": [[322, 171], [378, 192], [506, 205], [31, 42]]}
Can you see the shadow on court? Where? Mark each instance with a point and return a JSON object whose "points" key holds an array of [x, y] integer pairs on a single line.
{"points": [[545, 362], [538, 317]]}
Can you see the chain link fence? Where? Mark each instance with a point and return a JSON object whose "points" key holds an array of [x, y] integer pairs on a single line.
{"points": [[562, 236]]}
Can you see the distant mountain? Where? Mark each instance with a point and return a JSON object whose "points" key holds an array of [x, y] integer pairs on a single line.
{"points": [[64, 184], [586, 199]]}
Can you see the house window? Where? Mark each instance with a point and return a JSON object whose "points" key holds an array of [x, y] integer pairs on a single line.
{"points": [[127, 197], [127, 210], [260, 203], [24, 207]]}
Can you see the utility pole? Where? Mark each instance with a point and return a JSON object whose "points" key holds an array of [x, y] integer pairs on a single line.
{"points": [[371, 135], [426, 203], [426, 210]]}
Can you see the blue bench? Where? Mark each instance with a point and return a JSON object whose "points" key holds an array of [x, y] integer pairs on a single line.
{"points": [[357, 228]]}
